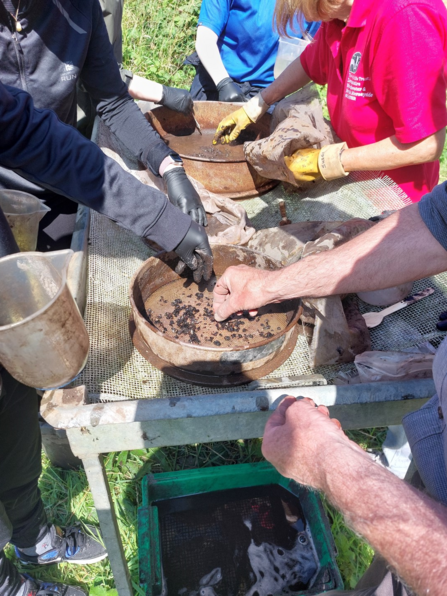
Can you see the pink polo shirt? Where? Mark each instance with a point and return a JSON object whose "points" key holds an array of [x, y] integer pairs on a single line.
{"points": [[386, 75]]}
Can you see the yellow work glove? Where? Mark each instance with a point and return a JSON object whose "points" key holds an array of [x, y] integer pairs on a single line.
{"points": [[231, 127], [303, 164], [307, 165], [234, 124]]}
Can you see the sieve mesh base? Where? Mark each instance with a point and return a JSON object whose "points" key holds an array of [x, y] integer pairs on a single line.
{"points": [[115, 369]]}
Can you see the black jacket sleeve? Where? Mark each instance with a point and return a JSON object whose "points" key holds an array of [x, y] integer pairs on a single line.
{"points": [[36, 145], [101, 77]]}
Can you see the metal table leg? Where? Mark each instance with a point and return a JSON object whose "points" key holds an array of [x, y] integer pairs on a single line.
{"points": [[97, 478]]}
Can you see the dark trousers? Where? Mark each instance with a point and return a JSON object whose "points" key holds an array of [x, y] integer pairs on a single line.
{"points": [[22, 516]]}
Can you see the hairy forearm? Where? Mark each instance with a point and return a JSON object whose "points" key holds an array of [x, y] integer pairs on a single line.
{"points": [[208, 52], [290, 80], [407, 528], [399, 249], [140, 88], [389, 153]]}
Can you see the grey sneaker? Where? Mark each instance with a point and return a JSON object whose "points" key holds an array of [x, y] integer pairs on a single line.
{"points": [[70, 544]]}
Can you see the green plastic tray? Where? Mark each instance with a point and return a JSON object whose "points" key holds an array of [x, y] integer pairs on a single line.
{"points": [[171, 485]]}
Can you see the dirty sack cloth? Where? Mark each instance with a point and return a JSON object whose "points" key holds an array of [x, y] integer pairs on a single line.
{"points": [[334, 328], [285, 244], [228, 222], [297, 123]]}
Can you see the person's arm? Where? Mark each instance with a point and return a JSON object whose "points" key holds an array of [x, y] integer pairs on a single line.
{"points": [[291, 79], [208, 52], [144, 89], [406, 527], [390, 153], [400, 248], [337, 160], [36, 145], [175, 99]]}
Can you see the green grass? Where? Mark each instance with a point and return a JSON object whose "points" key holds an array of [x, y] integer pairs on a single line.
{"points": [[157, 37]]}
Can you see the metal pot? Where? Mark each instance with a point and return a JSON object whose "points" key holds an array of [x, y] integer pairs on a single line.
{"points": [[229, 364], [222, 169]]}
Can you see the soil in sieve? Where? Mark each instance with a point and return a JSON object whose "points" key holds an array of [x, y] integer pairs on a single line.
{"points": [[201, 146], [182, 312]]}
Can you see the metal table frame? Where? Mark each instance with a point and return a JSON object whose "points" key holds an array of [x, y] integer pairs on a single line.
{"points": [[99, 428]]}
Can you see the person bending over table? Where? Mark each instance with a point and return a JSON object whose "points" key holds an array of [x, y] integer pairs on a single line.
{"points": [[236, 49], [407, 528], [45, 48], [384, 63]]}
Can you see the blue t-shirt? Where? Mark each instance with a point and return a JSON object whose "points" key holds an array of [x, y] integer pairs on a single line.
{"points": [[247, 42]]}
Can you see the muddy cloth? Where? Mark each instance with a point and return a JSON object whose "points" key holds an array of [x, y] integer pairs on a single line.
{"points": [[297, 123], [334, 328]]}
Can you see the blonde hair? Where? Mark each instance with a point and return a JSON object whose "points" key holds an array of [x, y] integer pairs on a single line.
{"points": [[311, 10]]}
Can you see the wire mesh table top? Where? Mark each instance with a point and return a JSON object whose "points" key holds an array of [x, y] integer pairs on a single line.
{"points": [[115, 369]]}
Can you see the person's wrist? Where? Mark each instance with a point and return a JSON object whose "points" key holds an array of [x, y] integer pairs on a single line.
{"points": [[280, 286], [330, 161], [256, 107], [270, 286], [346, 160], [339, 458], [168, 164]]}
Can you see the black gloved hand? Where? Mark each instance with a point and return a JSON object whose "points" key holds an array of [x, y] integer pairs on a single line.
{"points": [[229, 90], [183, 195], [442, 323], [195, 252], [178, 100]]}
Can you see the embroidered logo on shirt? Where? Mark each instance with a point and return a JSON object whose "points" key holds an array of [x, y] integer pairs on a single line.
{"points": [[357, 86], [355, 61]]}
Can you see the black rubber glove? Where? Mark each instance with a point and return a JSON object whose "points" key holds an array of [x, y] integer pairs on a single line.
{"points": [[183, 195], [442, 323], [229, 90], [178, 100], [195, 252]]}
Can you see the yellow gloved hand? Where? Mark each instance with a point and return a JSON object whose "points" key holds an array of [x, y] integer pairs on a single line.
{"points": [[231, 127], [303, 164]]}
